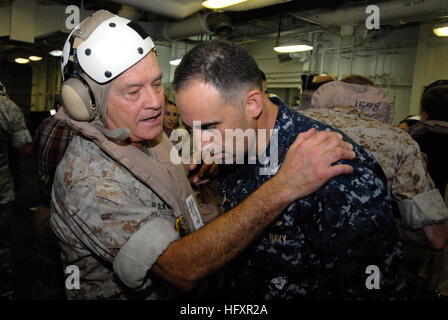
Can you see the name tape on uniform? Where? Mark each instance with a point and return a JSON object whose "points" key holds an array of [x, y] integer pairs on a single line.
{"points": [[194, 212]]}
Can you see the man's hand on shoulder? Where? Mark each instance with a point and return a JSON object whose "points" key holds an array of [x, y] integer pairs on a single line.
{"points": [[309, 163]]}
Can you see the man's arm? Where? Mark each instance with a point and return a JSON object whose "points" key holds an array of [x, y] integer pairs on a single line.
{"points": [[309, 159], [432, 236], [437, 235], [16, 127], [422, 207]]}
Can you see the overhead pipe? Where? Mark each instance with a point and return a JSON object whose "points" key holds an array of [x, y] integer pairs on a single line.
{"points": [[262, 36], [324, 27], [351, 56], [252, 5], [389, 10], [210, 23], [130, 13], [339, 57], [182, 9], [411, 10], [172, 9]]}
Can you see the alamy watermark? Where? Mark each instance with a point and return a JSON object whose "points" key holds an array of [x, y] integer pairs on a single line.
{"points": [[73, 19], [373, 20], [237, 147], [72, 280], [373, 280]]}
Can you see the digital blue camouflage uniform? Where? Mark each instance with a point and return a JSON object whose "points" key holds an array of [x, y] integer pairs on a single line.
{"points": [[321, 245]]}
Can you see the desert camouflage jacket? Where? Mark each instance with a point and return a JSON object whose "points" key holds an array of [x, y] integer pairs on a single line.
{"points": [[98, 207], [13, 132], [420, 203]]}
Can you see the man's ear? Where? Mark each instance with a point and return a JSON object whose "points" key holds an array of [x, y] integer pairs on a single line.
{"points": [[254, 104]]}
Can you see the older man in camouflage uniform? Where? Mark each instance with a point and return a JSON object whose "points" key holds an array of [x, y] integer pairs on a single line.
{"points": [[420, 204], [14, 133]]}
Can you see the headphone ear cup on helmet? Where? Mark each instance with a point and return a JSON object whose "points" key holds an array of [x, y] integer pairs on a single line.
{"points": [[76, 99]]}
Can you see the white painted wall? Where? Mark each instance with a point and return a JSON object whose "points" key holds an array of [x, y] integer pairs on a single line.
{"points": [[278, 74], [176, 50], [22, 20], [5, 15], [163, 55], [391, 60]]}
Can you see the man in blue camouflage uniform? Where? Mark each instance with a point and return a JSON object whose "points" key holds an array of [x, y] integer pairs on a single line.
{"points": [[322, 245]]}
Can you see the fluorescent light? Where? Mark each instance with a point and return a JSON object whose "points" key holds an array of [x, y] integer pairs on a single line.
{"points": [[218, 4], [21, 60], [56, 53], [293, 48], [175, 62], [34, 58], [441, 31]]}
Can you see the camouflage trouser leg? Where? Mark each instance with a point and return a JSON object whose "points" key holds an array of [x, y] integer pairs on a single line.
{"points": [[50, 280], [6, 210]]}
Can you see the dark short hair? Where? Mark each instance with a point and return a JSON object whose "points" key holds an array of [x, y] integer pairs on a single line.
{"points": [[228, 67], [263, 75], [357, 79], [435, 103], [435, 84]]}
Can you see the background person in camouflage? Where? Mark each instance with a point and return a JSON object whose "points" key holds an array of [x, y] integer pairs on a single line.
{"points": [[120, 233], [13, 133], [420, 204], [432, 132], [432, 136], [368, 99], [321, 245]]}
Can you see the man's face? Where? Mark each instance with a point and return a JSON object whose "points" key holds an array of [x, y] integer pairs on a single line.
{"points": [[136, 100], [199, 101]]}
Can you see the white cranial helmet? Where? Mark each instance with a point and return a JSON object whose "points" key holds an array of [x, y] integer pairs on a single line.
{"points": [[112, 47], [96, 52]]}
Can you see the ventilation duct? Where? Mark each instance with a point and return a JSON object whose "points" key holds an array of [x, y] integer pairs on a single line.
{"points": [[389, 10], [172, 9], [210, 23]]}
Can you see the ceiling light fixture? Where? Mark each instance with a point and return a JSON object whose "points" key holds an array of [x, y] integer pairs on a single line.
{"points": [[35, 58], [299, 46], [287, 48], [21, 60], [218, 4], [175, 62], [56, 53], [441, 31]]}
